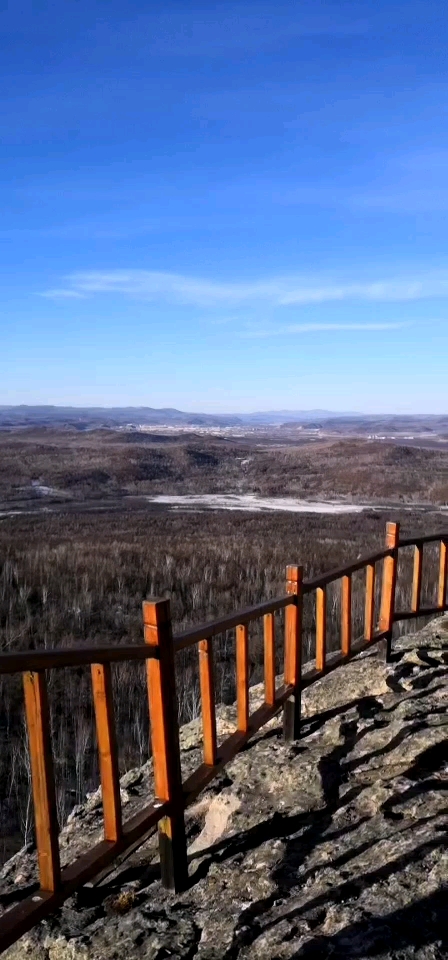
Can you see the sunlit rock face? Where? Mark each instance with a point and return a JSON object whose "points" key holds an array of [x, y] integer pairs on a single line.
{"points": [[330, 847]]}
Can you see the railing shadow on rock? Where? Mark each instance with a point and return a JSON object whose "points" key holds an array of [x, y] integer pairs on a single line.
{"points": [[172, 796]]}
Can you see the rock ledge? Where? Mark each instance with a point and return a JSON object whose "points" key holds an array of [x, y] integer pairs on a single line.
{"points": [[331, 847]]}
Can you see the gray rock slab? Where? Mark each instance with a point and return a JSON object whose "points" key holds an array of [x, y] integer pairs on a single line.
{"points": [[334, 846]]}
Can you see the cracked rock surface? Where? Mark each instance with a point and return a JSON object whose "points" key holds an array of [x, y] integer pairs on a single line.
{"points": [[334, 846]]}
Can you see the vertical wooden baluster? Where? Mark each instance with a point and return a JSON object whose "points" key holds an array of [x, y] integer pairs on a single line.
{"points": [[242, 677], [417, 579], [208, 700], [42, 774], [388, 588], [269, 659], [107, 749], [165, 742], [346, 615], [293, 652], [369, 610], [321, 628], [443, 570]]}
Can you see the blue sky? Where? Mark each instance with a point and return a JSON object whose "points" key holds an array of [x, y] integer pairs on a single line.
{"points": [[224, 206]]}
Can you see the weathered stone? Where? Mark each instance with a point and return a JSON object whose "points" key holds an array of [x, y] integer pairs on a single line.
{"points": [[334, 846]]}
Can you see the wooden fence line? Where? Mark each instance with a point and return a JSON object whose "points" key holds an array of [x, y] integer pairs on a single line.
{"points": [[172, 796]]}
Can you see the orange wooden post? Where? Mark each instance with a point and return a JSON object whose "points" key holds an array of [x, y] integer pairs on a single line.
{"points": [[107, 749], [417, 579], [293, 653], [208, 700], [346, 615], [165, 743], [443, 570], [388, 588], [321, 628], [242, 677], [42, 774], [269, 659], [369, 610]]}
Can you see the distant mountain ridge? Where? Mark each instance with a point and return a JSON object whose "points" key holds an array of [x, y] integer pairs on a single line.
{"points": [[24, 415], [88, 417]]}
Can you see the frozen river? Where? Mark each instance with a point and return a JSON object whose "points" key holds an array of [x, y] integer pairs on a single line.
{"points": [[248, 501], [47, 503]]}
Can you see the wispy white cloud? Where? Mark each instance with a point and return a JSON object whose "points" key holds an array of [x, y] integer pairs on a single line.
{"points": [[385, 290], [282, 291], [292, 328], [62, 294], [171, 287]]}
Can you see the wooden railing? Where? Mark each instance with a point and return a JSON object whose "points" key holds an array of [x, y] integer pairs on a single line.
{"points": [[172, 796]]}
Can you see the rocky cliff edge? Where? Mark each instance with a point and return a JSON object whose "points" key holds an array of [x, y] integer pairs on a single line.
{"points": [[334, 846]]}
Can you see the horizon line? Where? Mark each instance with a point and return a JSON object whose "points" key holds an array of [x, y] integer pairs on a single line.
{"points": [[251, 413]]}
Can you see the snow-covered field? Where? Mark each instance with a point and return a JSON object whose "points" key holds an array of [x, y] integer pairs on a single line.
{"points": [[248, 501]]}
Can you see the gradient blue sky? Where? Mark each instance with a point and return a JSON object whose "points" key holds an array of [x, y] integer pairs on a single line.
{"points": [[224, 206]]}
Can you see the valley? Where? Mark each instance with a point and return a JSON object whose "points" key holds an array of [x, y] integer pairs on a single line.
{"points": [[93, 521]]}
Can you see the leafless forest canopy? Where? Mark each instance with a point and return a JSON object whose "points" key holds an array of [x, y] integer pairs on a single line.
{"points": [[110, 464], [80, 549]]}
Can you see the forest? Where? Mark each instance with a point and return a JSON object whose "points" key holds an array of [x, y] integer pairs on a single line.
{"points": [[72, 579]]}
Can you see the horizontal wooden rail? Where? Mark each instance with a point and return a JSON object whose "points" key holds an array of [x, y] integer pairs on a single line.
{"points": [[19, 919], [423, 612], [326, 578], [419, 541], [166, 811], [189, 637], [76, 657]]}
